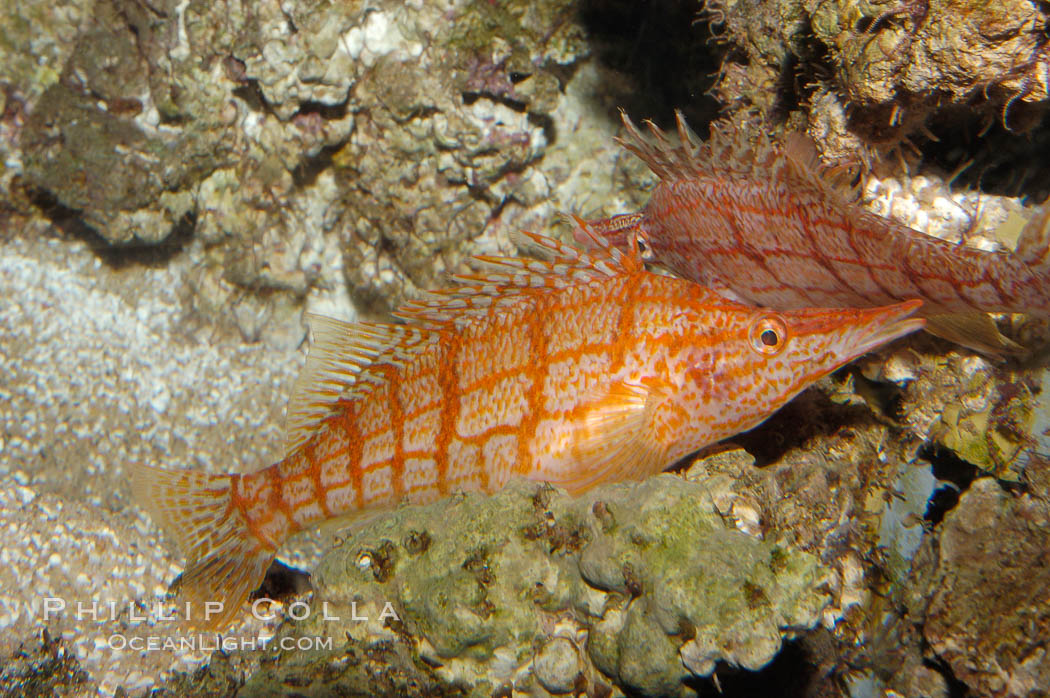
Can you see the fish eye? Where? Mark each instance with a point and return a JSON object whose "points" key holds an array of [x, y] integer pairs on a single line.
{"points": [[644, 250], [768, 335]]}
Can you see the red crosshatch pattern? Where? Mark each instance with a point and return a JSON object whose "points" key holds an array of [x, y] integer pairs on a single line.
{"points": [[575, 370], [765, 224]]}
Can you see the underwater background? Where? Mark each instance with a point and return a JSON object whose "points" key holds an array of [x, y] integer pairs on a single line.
{"points": [[183, 180]]}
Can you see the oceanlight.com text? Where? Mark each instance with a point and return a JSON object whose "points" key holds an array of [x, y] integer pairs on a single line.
{"points": [[213, 642]]}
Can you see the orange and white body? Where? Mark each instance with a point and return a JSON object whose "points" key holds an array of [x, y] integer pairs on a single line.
{"points": [[575, 370]]}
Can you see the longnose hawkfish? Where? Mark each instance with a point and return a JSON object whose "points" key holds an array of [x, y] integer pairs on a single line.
{"points": [[576, 369], [769, 226]]}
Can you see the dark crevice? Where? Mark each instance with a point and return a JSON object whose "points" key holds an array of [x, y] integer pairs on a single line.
{"points": [[282, 582], [943, 500], [791, 89], [470, 97], [562, 73], [290, 21], [663, 53], [812, 69], [865, 24], [950, 469], [809, 416], [789, 675], [116, 255], [956, 688], [497, 211], [309, 169], [545, 122], [328, 112], [886, 396], [1004, 162], [251, 94]]}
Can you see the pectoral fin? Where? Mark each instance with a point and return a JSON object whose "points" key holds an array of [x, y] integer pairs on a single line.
{"points": [[975, 330], [613, 440]]}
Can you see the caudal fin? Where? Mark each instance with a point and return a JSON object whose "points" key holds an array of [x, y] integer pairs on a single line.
{"points": [[225, 562]]}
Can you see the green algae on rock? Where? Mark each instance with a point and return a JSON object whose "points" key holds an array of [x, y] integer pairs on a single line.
{"points": [[674, 557], [983, 416], [532, 589]]}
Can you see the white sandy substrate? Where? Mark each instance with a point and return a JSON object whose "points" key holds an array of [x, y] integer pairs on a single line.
{"points": [[101, 368]]}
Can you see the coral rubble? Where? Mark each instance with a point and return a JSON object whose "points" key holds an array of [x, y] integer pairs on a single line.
{"points": [[640, 586]]}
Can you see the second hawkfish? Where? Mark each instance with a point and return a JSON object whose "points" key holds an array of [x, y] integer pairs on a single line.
{"points": [[767, 224], [577, 369]]}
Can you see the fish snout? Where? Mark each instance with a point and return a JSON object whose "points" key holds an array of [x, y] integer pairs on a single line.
{"points": [[840, 335]]}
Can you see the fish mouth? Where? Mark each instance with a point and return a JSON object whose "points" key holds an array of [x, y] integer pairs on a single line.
{"points": [[897, 321], [879, 326], [848, 333]]}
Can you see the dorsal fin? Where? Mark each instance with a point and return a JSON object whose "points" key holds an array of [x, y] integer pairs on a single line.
{"points": [[728, 149], [800, 154], [801, 165], [733, 150], [498, 283], [666, 159], [339, 353]]}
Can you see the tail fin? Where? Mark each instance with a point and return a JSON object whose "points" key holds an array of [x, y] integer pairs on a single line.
{"points": [[225, 562]]}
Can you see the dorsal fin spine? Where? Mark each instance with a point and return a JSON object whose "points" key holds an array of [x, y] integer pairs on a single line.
{"points": [[336, 369]]}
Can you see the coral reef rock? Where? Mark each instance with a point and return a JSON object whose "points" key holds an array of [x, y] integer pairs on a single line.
{"points": [[640, 586], [986, 597], [888, 65], [982, 416], [280, 133]]}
